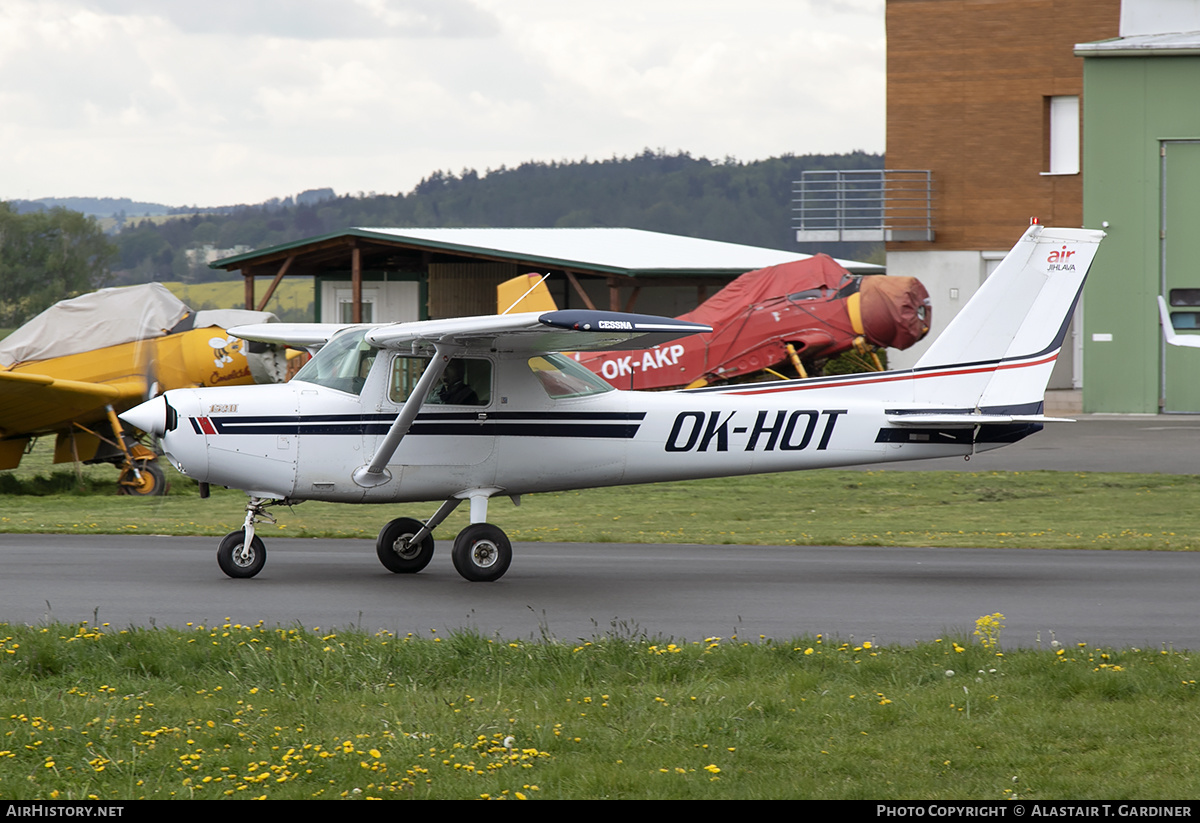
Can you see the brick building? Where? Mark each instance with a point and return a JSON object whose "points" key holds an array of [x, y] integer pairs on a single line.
{"points": [[987, 96]]}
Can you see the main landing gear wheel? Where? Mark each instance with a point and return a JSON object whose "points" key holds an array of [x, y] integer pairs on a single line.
{"points": [[237, 559], [482, 553], [148, 481], [396, 550]]}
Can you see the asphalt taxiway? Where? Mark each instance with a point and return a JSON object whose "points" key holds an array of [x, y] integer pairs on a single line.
{"points": [[571, 591]]}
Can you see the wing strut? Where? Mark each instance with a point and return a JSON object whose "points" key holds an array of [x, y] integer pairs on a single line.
{"points": [[375, 473]]}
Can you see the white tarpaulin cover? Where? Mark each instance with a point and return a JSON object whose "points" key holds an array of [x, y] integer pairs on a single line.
{"points": [[109, 317]]}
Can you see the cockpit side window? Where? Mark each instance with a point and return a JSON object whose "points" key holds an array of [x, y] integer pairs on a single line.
{"points": [[342, 364], [467, 381]]}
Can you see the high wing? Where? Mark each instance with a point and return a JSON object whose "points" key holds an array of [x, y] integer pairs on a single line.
{"points": [[311, 336], [531, 332], [528, 333], [571, 329]]}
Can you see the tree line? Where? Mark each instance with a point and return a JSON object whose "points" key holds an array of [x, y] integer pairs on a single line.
{"points": [[46, 256], [727, 200]]}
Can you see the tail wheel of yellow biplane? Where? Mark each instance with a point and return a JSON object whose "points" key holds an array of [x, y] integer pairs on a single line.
{"points": [[143, 480]]}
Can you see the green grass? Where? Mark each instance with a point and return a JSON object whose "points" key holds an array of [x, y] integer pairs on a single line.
{"points": [[254, 711], [829, 507], [248, 711]]}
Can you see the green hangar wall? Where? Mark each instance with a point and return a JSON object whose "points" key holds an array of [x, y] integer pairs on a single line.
{"points": [[1141, 173]]}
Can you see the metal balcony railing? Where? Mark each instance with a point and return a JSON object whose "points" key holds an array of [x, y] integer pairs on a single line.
{"points": [[863, 206]]}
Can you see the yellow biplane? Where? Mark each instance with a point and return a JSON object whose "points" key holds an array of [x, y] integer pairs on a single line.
{"points": [[72, 369]]}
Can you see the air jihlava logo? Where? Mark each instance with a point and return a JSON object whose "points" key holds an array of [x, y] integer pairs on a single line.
{"points": [[1058, 260]]}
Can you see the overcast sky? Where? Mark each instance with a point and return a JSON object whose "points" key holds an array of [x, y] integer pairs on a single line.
{"points": [[229, 101]]}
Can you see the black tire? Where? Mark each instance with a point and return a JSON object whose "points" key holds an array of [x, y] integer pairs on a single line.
{"points": [[394, 549], [482, 553], [234, 565], [151, 483]]}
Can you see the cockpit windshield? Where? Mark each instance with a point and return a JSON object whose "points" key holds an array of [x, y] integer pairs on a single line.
{"points": [[343, 363], [562, 377]]}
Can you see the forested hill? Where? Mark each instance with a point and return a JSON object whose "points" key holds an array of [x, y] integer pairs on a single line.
{"points": [[740, 202]]}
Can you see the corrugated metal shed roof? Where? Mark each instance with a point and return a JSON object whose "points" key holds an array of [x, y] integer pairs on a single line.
{"points": [[1179, 43], [629, 252], [634, 250]]}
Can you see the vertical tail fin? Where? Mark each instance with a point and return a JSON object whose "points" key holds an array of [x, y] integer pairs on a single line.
{"points": [[525, 292], [998, 352]]}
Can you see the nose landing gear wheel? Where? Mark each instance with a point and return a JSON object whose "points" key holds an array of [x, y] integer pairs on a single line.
{"points": [[237, 559], [482, 553], [396, 550]]}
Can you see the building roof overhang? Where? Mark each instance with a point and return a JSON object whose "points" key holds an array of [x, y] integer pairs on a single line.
{"points": [[599, 251], [1143, 45]]}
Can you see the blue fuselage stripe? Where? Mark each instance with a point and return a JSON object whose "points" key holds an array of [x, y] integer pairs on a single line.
{"points": [[616, 425]]}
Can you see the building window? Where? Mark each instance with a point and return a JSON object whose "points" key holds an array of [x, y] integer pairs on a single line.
{"points": [[1062, 130], [345, 306]]}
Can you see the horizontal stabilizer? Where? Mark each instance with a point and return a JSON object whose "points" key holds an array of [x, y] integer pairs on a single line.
{"points": [[967, 421]]}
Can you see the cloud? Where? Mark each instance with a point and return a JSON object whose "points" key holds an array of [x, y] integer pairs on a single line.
{"points": [[310, 19], [241, 101]]}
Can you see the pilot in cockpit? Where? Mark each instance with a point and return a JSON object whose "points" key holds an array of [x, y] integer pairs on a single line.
{"points": [[452, 390]]}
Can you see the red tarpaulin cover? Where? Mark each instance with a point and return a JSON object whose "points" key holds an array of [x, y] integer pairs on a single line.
{"points": [[814, 304]]}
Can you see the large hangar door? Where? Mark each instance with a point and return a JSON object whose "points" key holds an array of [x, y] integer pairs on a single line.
{"points": [[1180, 256]]}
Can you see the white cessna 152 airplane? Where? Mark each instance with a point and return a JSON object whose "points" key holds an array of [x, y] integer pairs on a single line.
{"points": [[472, 408]]}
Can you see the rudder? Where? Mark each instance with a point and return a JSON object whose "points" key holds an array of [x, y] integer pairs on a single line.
{"points": [[999, 351]]}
